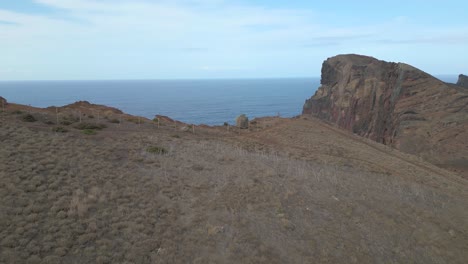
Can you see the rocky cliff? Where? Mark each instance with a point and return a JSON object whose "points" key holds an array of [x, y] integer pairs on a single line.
{"points": [[462, 81], [395, 104]]}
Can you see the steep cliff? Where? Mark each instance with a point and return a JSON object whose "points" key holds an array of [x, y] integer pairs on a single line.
{"points": [[395, 104], [462, 81]]}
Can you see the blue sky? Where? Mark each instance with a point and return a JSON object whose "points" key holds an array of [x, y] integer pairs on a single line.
{"points": [[160, 39]]}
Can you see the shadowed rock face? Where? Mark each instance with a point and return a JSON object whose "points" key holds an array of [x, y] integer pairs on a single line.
{"points": [[394, 104], [3, 101], [462, 81]]}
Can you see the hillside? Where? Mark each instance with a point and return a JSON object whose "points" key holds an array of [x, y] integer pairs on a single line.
{"points": [[397, 105], [102, 186]]}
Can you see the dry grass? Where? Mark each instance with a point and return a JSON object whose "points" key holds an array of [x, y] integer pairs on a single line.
{"points": [[210, 199]]}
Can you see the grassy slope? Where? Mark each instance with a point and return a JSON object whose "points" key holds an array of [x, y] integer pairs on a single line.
{"points": [[292, 191]]}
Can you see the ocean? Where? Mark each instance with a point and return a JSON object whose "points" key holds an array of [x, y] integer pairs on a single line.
{"points": [[210, 102]]}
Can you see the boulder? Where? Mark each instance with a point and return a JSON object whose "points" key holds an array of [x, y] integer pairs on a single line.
{"points": [[242, 122]]}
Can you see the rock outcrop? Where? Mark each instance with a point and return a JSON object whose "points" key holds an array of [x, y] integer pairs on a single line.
{"points": [[3, 102], [242, 122], [395, 104], [462, 81]]}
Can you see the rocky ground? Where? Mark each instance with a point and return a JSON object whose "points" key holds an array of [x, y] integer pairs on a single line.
{"points": [[104, 187]]}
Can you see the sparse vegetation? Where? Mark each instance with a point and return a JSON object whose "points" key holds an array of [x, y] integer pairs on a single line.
{"points": [[65, 122], [17, 112], [49, 122], [298, 193], [59, 129], [29, 118], [114, 120], [156, 150], [88, 131], [90, 126], [135, 120]]}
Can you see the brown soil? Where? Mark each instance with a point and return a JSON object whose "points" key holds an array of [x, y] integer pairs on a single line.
{"points": [[283, 191]]}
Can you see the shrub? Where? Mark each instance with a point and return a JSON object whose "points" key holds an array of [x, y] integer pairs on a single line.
{"points": [[156, 150], [48, 122], [135, 120], [59, 129], [17, 112], [89, 132], [83, 126], [29, 118], [90, 116], [226, 124], [65, 123], [115, 121]]}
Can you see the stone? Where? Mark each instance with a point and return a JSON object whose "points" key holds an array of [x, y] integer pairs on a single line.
{"points": [[242, 121]]}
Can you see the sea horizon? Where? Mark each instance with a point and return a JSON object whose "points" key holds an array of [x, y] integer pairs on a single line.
{"points": [[195, 101]]}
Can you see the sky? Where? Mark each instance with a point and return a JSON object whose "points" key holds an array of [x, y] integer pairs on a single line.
{"points": [[191, 39]]}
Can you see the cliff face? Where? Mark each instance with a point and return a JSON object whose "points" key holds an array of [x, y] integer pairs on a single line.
{"points": [[462, 81], [394, 104]]}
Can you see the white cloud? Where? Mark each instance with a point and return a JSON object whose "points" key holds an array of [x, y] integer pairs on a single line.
{"points": [[124, 38]]}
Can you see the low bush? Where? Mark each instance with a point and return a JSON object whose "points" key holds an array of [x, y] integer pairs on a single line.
{"points": [[89, 132], [65, 122], [156, 150], [59, 129], [17, 112], [114, 120], [89, 126], [29, 118]]}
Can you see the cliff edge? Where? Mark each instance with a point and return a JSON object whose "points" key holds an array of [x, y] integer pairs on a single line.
{"points": [[395, 104]]}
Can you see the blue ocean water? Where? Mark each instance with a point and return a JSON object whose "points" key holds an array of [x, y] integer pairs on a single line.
{"points": [[210, 102]]}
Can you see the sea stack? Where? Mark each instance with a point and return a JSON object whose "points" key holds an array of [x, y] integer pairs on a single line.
{"points": [[394, 104], [462, 81]]}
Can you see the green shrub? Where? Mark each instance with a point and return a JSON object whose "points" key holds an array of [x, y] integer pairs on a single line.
{"points": [[156, 150], [83, 126], [59, 129], [175, 136], [29, 118], [89, 132], [115, 121], [17, 112], [48, 122]]}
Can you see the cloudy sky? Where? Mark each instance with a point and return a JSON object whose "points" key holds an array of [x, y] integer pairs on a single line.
{"points": [[159, 39]]}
